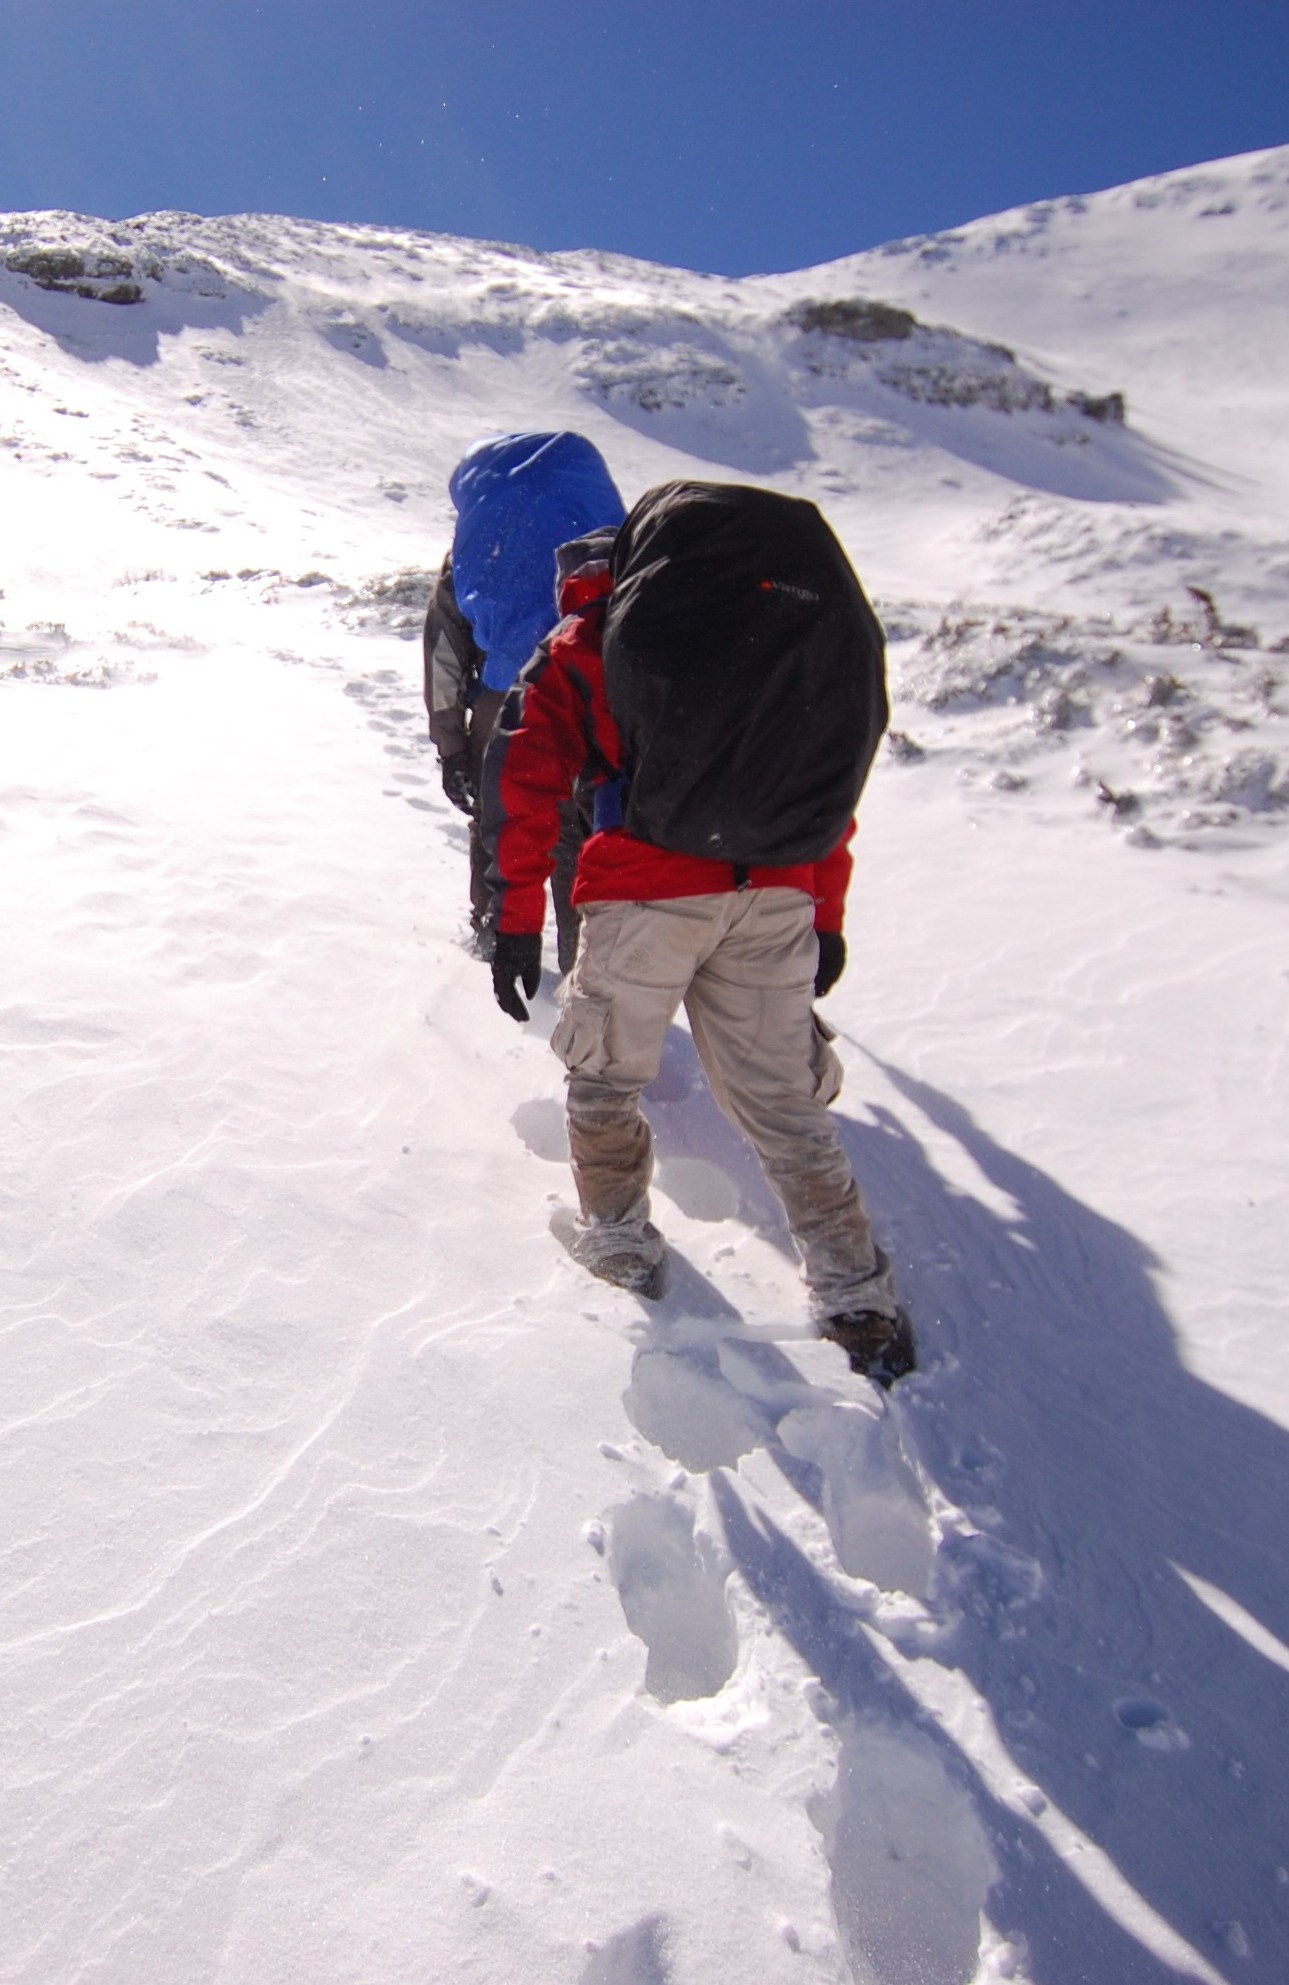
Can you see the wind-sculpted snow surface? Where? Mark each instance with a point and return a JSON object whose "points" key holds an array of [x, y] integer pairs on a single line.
{"points": [[384, 1600]]}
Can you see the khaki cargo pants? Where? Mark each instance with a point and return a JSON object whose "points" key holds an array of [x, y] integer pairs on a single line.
{"points": [[742, 964]]}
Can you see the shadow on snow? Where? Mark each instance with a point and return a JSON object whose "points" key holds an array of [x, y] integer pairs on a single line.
{"points": [[1064, 1415], [1055, 1411]]}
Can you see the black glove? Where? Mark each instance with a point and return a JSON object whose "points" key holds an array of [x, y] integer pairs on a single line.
{"points": [[457, 783], [832, 960], [518, 956]]}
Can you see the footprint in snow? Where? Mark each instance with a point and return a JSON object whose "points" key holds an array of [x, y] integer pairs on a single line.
{"points": [[708, 1405], [672, 1589], [871, 1499], [988, 1577], [1151, 1724], [911, 1862], [635, 1957], [684, 1404], [384, 695]]}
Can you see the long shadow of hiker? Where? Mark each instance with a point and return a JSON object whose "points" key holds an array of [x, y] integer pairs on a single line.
{"points": [[1099, 1471], [1110, 1489], [1072, 1939]]}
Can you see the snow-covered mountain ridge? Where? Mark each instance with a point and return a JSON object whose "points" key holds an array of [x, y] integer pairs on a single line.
{"points": [[1076, 535]]}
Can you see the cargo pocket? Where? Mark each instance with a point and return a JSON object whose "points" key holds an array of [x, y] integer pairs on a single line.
{"points": [[824, 1064], [580, 1035]]}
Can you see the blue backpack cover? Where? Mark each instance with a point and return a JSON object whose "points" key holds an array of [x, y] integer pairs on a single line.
{"points": [[518, 498]]}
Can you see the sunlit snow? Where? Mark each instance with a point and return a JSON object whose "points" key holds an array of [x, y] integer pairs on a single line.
{"points": [[385, 1601]]}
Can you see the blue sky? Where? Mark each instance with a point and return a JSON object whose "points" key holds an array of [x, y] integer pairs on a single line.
{"points": [[730, 135]]}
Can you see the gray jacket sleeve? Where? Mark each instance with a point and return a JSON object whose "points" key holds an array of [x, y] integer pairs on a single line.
{"points": [[452, 665]]}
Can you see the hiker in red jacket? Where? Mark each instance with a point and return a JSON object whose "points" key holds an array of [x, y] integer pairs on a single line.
{"points": [[745, 951]]}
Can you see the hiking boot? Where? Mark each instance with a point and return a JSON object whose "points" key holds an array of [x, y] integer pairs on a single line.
{"points": [[879, 1347], [632, 1272], [628, 1253]]}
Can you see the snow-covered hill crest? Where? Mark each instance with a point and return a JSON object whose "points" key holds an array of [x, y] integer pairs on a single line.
{"points": [[1070, 508]]}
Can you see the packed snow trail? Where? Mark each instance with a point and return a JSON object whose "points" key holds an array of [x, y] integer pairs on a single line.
{"points": [[320, 1576]]}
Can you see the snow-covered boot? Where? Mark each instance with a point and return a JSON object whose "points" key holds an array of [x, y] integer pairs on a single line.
{"points": [[879, 1347], [629, 1253]]}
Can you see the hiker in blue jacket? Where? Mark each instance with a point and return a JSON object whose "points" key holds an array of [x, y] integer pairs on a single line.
{"points": [[518, 497]]}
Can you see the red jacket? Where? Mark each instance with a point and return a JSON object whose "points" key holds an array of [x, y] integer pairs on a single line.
{"points": [[556, 728]]}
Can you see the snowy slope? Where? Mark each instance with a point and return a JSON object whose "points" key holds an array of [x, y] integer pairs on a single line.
{"points": [[385, 1601]]}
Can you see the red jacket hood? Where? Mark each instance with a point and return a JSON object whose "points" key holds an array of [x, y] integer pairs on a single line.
{"points": [[583, 570]]}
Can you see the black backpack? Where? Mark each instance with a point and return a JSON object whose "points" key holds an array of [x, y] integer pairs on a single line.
{"points": [[745, 670]]}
